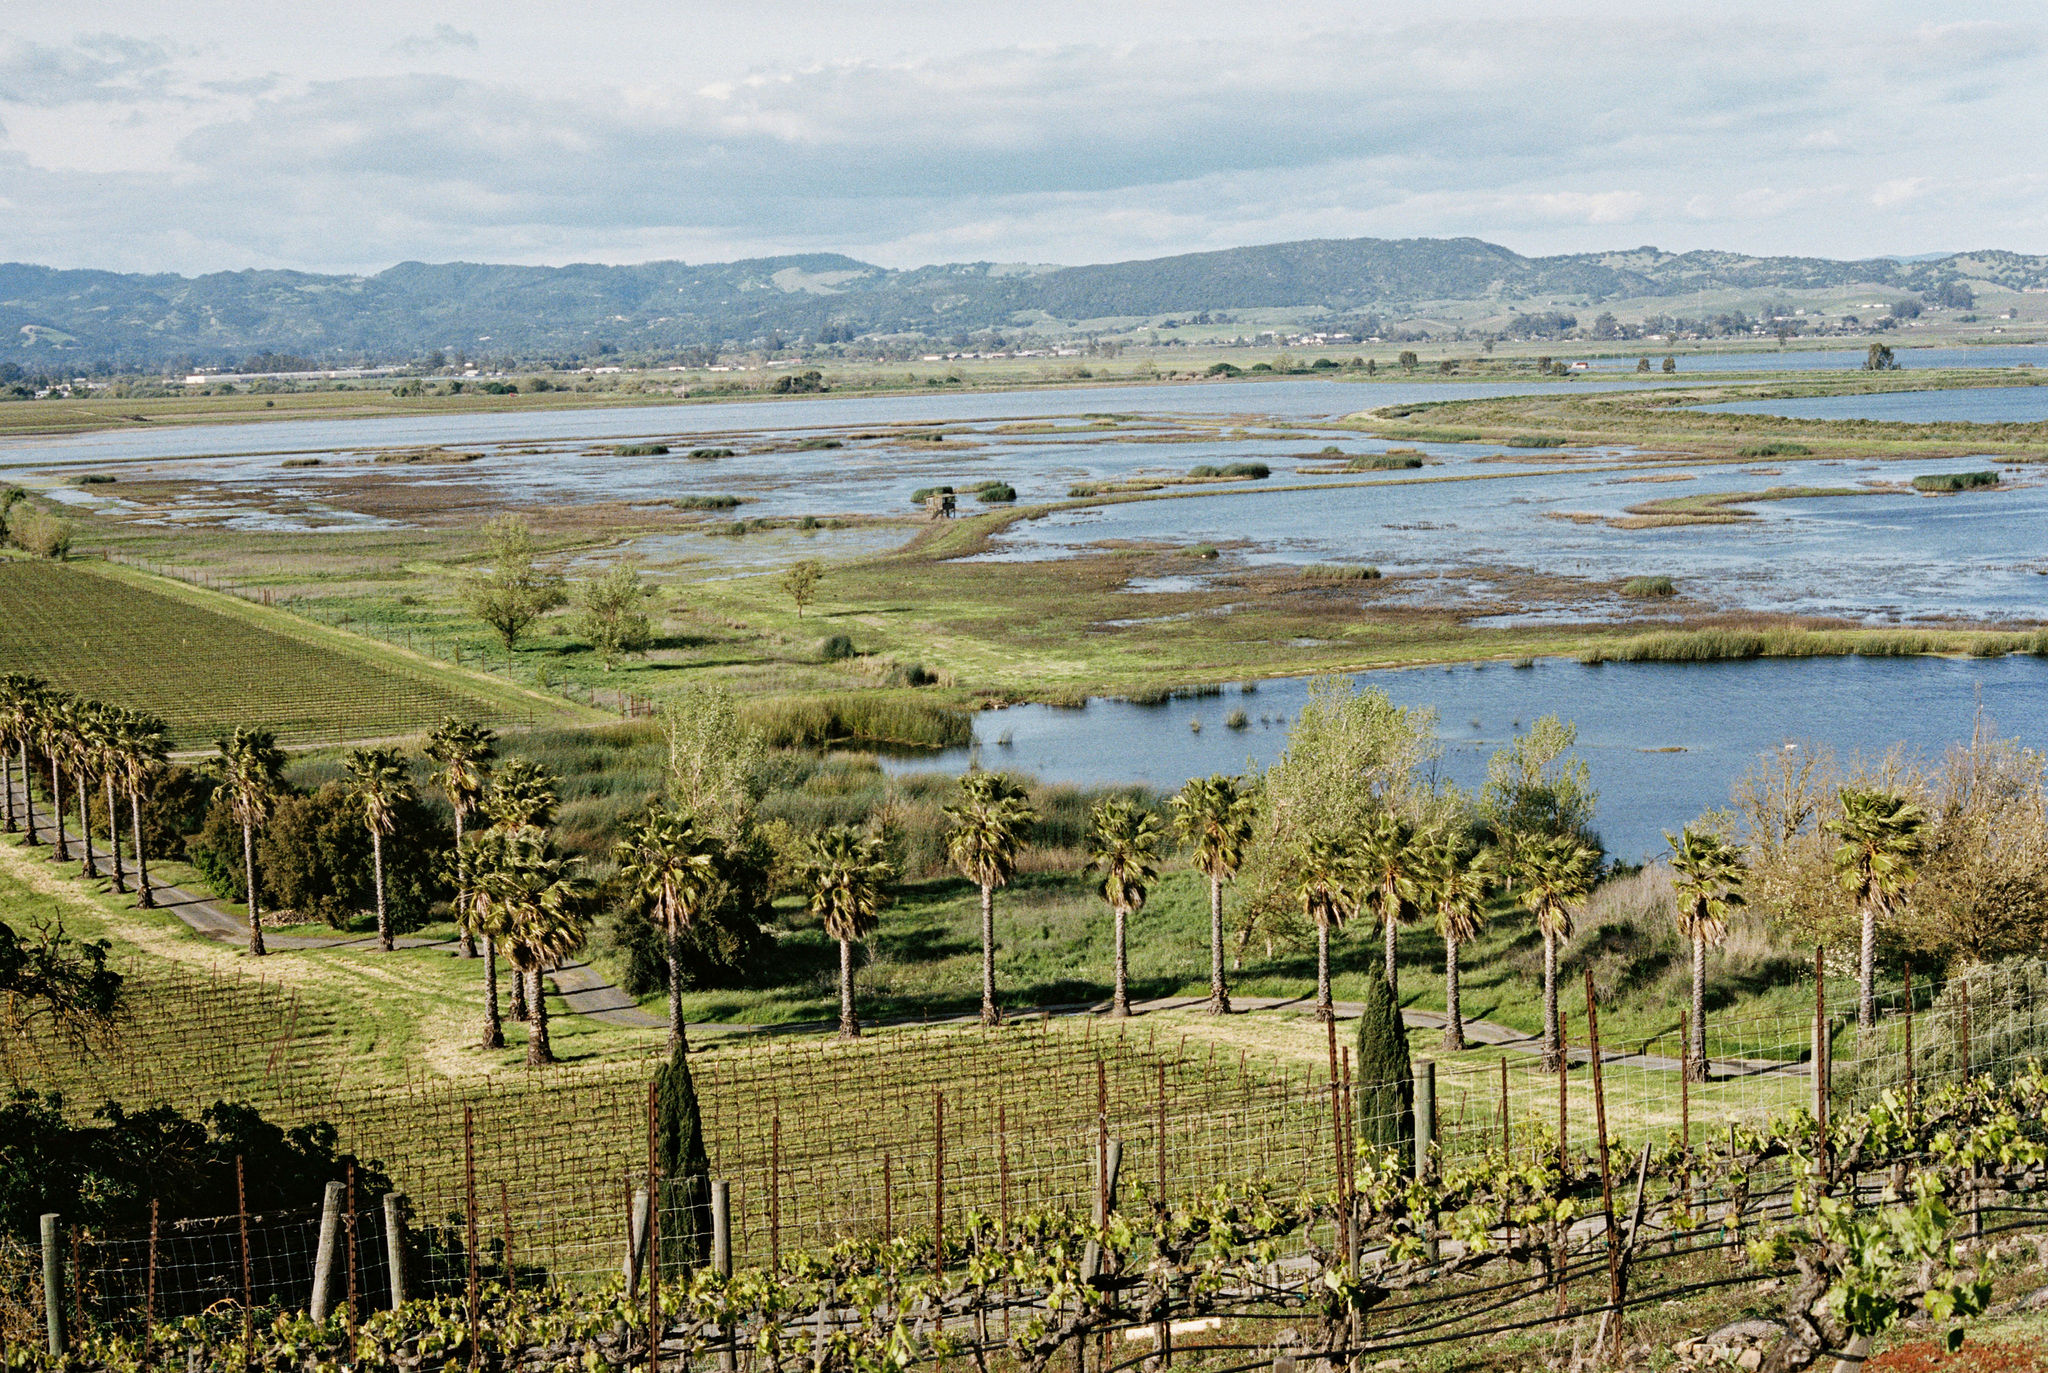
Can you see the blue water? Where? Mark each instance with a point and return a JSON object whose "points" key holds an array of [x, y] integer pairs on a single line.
{"points": [[1716, 720], [1976, 405]]}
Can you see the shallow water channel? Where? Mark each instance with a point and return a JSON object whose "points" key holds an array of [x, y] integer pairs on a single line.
{"points": [[1664, 741]]}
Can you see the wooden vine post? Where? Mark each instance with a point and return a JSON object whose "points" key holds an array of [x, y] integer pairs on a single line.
{"points": [[1606, 1178]]}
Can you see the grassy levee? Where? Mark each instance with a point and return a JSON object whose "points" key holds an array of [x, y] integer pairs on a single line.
{"points": [[206, 661], [1719, 644]]}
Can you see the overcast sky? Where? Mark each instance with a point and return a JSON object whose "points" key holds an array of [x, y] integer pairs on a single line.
{"points": [[342, 138]]}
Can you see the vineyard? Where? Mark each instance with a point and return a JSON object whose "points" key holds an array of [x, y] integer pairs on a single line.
{"points": [[205, 669]]}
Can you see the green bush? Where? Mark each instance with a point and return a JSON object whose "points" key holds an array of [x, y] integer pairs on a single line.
{"points": [[640, 450], [875, 717], [1257, 471], [1339, 572], [1773, 450], [996, 493], [1535, 441], [1645, 587], [836, 648], [1225, 369], [706, 502], [818, 445], [920, 495], [1205, 470], [1384, 462], [1955, 481], [92, 479], [705, 454]]}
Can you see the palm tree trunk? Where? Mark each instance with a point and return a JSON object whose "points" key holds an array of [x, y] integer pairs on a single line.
{"points": [[114, 837], [1324, 1009], [83, 786], [1219, 995], [675, 993], [63, 852], [989, 1014], [147, 898], [377, 875], [28, 797], [1549, 1002], [848, 1025], [539, 1053], [1696, 1069], [7, 764], [1393, 957], [249, 877], [494, 1028], [1866, 984], [1454, 1014], [466, 943], [1120, 999], [517, 1009]]}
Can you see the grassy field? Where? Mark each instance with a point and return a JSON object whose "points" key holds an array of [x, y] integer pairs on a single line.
{"points": [[207, 662]]}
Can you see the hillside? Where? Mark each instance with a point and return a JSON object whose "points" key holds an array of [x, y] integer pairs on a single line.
{"points": [[584, 309]]}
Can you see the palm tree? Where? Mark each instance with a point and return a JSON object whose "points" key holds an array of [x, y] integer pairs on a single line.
{"points": [[251, 769], [377, 777], [1553, 876], [847, 876], [483, 854], [522, 796], [107, 738], [1882, 836], [990, 824], [54, 715], [1707, 873], [1213, 816], [1327, 882], [672, 867], [1126, 852], [144, 747], [1454, 887], [18, 696], [1389, 860], [464, 750], [546, 901], [82, 752]]}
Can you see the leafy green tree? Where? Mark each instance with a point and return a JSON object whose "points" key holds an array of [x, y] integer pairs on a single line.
{"points": [[1670, 363], [379, 782], [685, 1166], [1882, 838], [250, 767], [716, 761], [315, 858], [613, 615], [47, 977], [1553, 876], [1124, 844], [1707, 874], [671, 867], [1880, 359], [991, 823], [1385, 1090], [464, 749], [1454, 883], [513, 589], [1538, 787], [848, 879], [1214, 817], [800, 582]]}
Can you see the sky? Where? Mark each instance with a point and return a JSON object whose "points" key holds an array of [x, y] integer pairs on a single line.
{"points": [[226, 135]]}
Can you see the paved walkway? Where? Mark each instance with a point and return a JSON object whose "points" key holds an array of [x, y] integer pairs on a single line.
{"points": [[585, 991]]}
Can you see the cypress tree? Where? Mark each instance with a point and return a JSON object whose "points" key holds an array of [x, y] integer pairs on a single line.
{"points": [[1385, 1080], [685, 1167]]}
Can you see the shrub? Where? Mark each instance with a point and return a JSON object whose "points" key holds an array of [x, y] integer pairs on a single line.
{"points": [[640, 450], [1224, 369], [1257, 471], [1535, 441], [1205, 470], [1644, 587], [92, 479], [1386, 1085], [1383, 462], [817, 445], [1772, 450], [996, 493], [919, 496], [836, 648], [706, 454], [41, 533], [300, 462], [1205, 551], [1955, 481], [862, 716], [908, 675], [1237, 719], [706, 502], [1339, 572], [800, 384]]}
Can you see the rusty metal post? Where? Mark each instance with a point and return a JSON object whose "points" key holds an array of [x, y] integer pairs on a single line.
{"points": [[1564, 1059], [149, 1286], [248, 1269], [1606, 1179], [350, 1218], [775, 1193], [472, 1292], [653, 1230], [1507, 1135], [938, 1182]]}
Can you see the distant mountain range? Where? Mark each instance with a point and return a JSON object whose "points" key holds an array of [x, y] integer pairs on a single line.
{"points": [[580, 311]]}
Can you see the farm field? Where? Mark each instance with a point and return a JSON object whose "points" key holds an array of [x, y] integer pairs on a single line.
{"points": [[206, 663]]}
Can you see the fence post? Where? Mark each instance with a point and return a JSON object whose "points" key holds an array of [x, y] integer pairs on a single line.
{"points": [[1425, 1114], [1564, 1062], [476, 1353], [322, 1303], [1606, 1178], [721, 1261], [149, 1287], [938, 1182], [248, 1269], [636, 1240], [394, 1245], [1111, 1162], [53, 1282]]}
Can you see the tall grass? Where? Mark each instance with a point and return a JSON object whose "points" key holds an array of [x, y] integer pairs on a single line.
{"points": [[1955, 481], [1646, 587], [873, 717], [1340, 572], [1719, 645]]}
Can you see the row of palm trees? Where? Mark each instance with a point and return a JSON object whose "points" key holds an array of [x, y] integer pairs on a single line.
{"points": [[48, 732]]}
